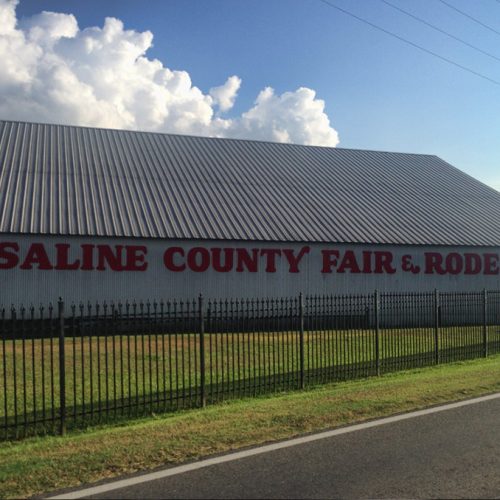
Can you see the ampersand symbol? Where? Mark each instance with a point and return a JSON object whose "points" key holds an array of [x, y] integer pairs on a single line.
{"points": [[408, 266]]}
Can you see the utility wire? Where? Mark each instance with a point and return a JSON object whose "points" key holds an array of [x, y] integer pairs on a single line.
{"points": [[470, 17], [423, 21], [400, 38]]}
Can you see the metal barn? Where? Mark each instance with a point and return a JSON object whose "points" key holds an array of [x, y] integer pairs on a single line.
{"points": [[95, 214]]}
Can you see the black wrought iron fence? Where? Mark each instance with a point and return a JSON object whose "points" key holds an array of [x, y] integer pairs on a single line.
{"points": [[76, 365]]}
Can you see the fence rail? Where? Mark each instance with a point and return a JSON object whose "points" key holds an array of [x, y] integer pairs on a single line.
{"points": [[68, 366]]}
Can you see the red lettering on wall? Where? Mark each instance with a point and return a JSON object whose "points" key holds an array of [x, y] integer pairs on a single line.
{"points": [[434, 263], [293, 261], [270, 254], [367, 262], [168, 259], [62, 262], [87, 257], [330, 259], [349, 263], [198, 259], [383, 263], [228, 259], [491, 264], [37, 255], [454, 263], [105, 255], [473, 264], [136, 258], [8, 260], [245, 260]]}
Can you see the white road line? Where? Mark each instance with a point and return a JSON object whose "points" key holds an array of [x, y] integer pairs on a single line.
{"points": [[153, 476]]}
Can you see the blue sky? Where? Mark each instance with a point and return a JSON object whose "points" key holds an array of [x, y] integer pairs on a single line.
{"points": [[379, 93]]}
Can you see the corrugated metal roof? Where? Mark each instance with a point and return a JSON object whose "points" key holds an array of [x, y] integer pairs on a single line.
{"points": [[64, 180]]}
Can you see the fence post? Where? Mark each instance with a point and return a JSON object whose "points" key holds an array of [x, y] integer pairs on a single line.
{"points": [[485, 323], [377, 331], [436, 326], [202, 351], [301, 316], [62, 368]]}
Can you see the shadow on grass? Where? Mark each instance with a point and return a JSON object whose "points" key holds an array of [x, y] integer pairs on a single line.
{"points": [[121, 410]]}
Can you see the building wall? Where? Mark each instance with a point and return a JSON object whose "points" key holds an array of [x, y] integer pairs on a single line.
{"points": [[39, 269]]}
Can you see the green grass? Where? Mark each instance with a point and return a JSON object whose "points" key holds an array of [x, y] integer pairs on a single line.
{"points": [[39, 465], [145, 373]]}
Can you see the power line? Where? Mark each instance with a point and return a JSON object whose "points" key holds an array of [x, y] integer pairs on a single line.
{"points": [[423, 21], [400, 38], [470, 17]]}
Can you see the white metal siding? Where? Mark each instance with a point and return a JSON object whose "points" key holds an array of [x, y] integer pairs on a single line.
{"points": [[40, 286]]}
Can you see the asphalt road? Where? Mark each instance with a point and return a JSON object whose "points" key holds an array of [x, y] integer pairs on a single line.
{"points": [[451, 454]]}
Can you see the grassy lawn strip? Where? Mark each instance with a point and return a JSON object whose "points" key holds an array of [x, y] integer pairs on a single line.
{"points": [[107, 369], [39, 465]]}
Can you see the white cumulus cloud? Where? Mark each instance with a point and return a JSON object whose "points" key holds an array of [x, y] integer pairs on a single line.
{"points": [[225, 95], [296, 117], [52, 71]]}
